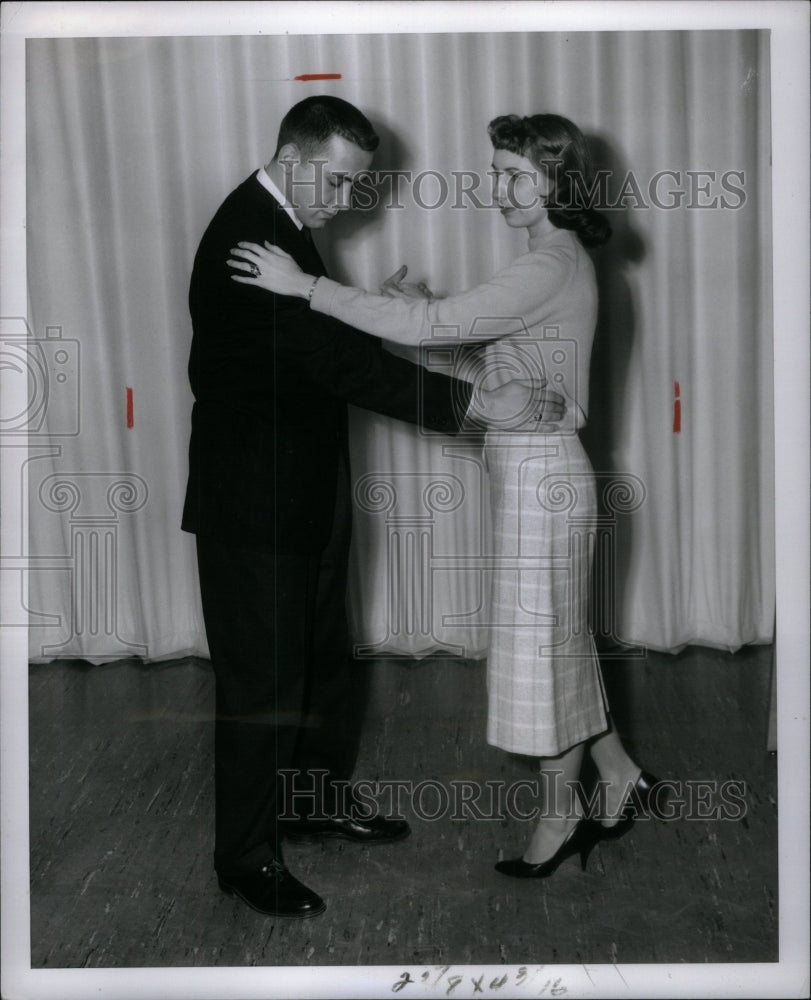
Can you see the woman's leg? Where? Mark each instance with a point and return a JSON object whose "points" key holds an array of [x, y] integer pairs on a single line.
{"points": [[617, 770], [561, 808]]}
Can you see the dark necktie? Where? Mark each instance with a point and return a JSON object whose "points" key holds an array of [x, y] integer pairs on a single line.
{"points": [[317, 267]]}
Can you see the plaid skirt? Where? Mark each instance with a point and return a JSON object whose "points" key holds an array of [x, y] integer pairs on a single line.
{"points": [[545, 690]]}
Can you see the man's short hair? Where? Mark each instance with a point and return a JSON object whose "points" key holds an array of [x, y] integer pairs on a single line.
{"points": [[313, 121]]}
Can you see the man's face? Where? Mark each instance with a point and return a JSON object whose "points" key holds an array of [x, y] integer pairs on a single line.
{"points": [[320, 184]]}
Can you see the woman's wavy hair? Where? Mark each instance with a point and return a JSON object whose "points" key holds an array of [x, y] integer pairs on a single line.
{"points": [[556, 146]]}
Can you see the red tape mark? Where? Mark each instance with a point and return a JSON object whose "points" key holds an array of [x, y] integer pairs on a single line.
{"points": [[677, 408], [318, 76], [130, 409]]}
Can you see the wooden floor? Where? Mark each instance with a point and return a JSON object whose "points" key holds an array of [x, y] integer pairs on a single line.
{"points": [[122, 814]]}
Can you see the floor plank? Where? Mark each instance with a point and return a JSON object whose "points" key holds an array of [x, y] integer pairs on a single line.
{"points": [[122, 811]]}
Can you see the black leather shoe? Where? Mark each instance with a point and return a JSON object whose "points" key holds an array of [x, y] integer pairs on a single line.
{"points": [[272, 890], [377, 830], [644, 799], [651, 796], [619, 829], [580, 841]]}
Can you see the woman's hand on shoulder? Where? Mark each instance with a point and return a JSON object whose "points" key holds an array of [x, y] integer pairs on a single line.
{"points": [[269, 267]]}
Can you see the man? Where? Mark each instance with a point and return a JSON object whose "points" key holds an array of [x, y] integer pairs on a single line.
{"points": [[269, 500]]}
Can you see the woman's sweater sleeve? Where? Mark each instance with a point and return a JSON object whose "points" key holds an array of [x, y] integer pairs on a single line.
{"points": [[518, 295]]}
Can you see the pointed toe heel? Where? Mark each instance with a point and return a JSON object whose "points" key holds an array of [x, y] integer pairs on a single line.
{"points": [[619, 829], [650, 795], [589, 839], [518, 868], [581, 841], [646, 798]]}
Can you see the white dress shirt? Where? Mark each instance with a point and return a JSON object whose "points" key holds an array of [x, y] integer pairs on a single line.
{"points": [[264, 179]]}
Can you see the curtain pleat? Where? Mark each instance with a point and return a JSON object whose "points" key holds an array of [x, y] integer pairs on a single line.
{"points": [[134, 142]]}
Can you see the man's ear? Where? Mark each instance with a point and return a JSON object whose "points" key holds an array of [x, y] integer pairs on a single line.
{"points": [[289, 153]]}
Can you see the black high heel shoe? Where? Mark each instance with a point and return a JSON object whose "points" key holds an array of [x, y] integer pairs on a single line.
{"points": [[643, 794], [580, 841], [638, 800]]}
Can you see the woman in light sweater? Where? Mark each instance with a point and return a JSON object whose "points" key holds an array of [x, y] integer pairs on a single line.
{"points": [[537, 318]]}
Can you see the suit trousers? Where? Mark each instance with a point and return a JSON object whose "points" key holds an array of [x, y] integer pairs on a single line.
{"points": [[288, 695]]}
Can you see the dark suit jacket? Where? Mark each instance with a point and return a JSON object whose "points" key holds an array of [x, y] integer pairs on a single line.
{"points": [[271, 381]]}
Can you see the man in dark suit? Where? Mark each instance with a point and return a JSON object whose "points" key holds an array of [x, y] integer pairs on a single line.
{"points": [[269, 499]]}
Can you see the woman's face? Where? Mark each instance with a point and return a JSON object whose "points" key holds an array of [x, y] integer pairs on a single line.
{"points": [[520, 189]]}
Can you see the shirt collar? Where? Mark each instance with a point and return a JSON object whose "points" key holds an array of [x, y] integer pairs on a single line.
{"points": [[264, 179]]}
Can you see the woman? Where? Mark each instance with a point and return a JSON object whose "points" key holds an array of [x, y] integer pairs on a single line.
{"points": [[545, 694]]}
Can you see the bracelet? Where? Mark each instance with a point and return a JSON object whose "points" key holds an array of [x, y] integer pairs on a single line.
{"points": [[312, 289]]}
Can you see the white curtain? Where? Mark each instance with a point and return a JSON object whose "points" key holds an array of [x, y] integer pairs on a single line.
{"points": [[134, 142]]}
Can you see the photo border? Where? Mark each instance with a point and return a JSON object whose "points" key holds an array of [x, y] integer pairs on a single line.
{"points": [[788, 23]]}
